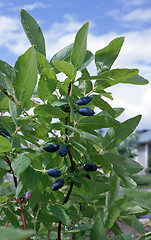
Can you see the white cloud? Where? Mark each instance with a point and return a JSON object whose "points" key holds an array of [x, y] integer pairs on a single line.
{"points": [[135, 53], [31, 7], [140, 14], [129, 3]]}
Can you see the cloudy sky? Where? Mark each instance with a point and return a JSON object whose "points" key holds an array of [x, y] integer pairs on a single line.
{"points": [[60, 20]]}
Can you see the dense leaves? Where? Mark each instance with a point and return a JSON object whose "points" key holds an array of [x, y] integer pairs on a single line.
{"points": [[47, 132]]}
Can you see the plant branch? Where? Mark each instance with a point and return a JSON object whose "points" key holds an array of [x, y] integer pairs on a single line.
{"points": [[19, 200], [72, 167]]}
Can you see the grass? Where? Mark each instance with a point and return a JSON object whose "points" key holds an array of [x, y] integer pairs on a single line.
{"points": [[139, 194]]}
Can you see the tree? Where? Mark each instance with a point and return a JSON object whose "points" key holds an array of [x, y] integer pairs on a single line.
{"points": [[59, 190]]}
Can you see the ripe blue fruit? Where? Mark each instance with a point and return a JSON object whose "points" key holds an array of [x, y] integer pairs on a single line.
{"points": [[51, 148], [84, 100], [27, 195], [63, 150], [54, 172], [57, 184], [86, 111], [6, 132], [90, 167]]}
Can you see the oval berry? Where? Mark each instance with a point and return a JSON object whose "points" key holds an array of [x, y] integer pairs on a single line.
{"points": [[84, 100], [57, 184], [27, 195], [6, 132], [63, 150], [51, 148], [90, 167], [54, 172], [86, 111]]}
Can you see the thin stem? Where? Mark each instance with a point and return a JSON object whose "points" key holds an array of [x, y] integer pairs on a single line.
{"points": [[19, 200], [72, 167], [59, 230], [15, 179], [35, 223], [68, 194], [6, 224]]}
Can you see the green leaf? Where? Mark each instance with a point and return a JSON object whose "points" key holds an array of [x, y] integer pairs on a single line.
{"points": [[97, 122], [42, 62], [78, 53], [5, 145], [26, 76], [88, 59], [100, 103], [49, 111], [13, 111], [6, 125], [105, 57], [137, 80], [31, 178], [114, 212], [60, 213], [81, 148], [97, 231], [112, 194], [47, 84], [124, 236], [11, 217], [6, 84], [33, 32], [117, 134], [14, 233], [4, 165], [66, 67], [3, 199], [20, 164], [62, 55], [6, 69]]}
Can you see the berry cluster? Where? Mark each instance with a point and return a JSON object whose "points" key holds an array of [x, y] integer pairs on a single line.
{"points": [[63, 149]]}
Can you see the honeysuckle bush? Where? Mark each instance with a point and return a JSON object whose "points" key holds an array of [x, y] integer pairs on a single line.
{"points": [[39, 109]]}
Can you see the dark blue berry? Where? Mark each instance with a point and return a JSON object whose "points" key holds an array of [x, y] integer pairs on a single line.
{"points": [[54, 172], [63, 150], [51, 148], [57, 184], [90, 167], [86, 111], [84, 100]]}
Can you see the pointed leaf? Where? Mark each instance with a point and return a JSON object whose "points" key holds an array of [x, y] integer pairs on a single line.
{"points": [[66, 68], [6, 69], [4, 165], [5, 145], [31, 178], [98, 231], [100, 103], [137, 80], [10, 233], [49, 111], [26, 76], [47, 84], [33, 32], [105, 57], [78, 53], [117, 134], [20, 164], [97, 122], [88, 59], [62, 55], [42, 62], [60, 213]]}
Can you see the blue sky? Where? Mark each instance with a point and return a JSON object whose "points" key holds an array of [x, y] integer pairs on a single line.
{"points": [[60, 20]]}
